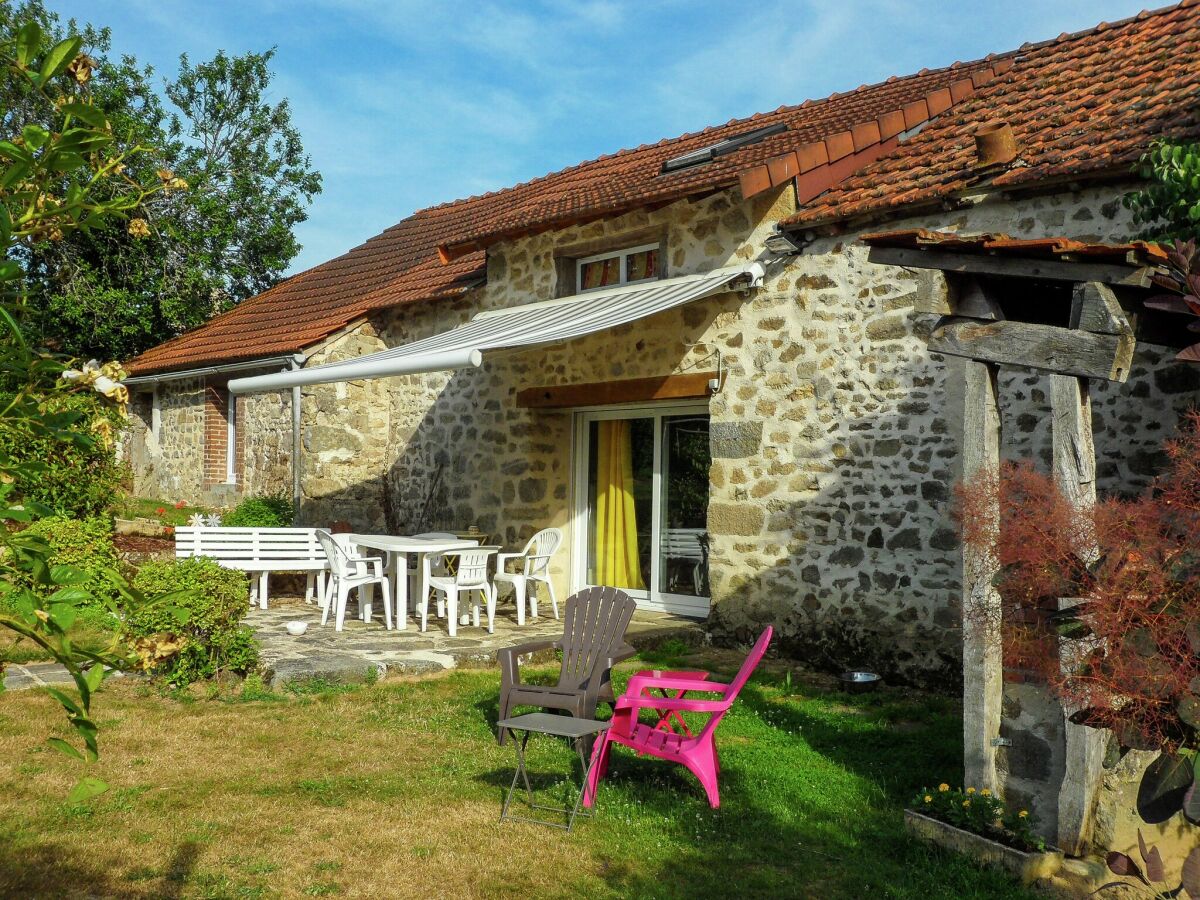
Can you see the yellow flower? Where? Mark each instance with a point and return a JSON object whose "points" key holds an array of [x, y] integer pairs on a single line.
{"points": [[928, 799], [943, 788], [966, 803], [138, 228], [970, 790], [985, 793], [177, 184], [1023, 814], [81, 68]]}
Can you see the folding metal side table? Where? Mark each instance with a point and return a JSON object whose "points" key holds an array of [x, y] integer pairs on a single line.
{"points": [[575, 730]]}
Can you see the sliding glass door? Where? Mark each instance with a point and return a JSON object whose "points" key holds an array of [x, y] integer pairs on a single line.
{"points": [[642, 505]]}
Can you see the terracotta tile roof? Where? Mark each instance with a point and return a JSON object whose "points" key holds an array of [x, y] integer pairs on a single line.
{"points": [[1134, 253], [1084, 104], [630, 179], [398, 266], [401, 265]]}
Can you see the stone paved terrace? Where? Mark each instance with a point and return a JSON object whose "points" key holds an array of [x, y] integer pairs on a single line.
{"points": [[348, 655]]}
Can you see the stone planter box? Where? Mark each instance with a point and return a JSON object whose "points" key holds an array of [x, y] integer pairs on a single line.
{"points": [[1028, 867], [146, 527]]}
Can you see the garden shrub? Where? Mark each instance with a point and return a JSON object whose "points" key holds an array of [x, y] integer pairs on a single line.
{"points": [[213, 638], [86, 544], [262, 511], [72, 479]]}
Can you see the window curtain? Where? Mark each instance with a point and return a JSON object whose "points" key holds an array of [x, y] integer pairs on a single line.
{"points": [[617, 562]]}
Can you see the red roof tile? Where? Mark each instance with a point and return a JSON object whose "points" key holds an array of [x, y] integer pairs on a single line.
{"points": [[631, 179], [1081, 105], [398, 266]]}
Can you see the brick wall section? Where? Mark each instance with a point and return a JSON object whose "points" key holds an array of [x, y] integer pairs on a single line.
{"points": [[216, 434]]}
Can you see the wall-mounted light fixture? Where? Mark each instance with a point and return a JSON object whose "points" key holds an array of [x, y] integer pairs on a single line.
{"points": [[714, 384], [782, 244]]}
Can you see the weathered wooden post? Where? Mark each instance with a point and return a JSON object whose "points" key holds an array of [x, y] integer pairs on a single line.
{"points": [[982, 651], [1051, 764], [1075, 476]]}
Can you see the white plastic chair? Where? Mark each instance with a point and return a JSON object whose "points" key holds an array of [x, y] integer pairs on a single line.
{"points": [[535, 567], [470, 575], [437, 564], [347, 571]]}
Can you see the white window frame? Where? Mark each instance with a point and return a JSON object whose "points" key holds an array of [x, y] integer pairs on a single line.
{"points": [[650, 598], [622, 254], [230, 437]]}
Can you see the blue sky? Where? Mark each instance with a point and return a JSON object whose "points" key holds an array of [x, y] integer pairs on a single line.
{"points": [[404, 104]]}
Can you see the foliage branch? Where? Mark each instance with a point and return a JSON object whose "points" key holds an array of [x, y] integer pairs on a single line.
{"points": [[57, 176]]}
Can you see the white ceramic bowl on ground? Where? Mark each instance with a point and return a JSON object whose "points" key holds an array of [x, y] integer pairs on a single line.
{"points": [[297, 628]]}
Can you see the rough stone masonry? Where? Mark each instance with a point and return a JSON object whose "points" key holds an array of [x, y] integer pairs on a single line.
{"points": [[835, 434]]}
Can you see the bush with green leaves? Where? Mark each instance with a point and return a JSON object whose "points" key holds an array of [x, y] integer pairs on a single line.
{"points": [[262, 511], [213, 639], [71, 479], [1168, 206], [87, 545]]}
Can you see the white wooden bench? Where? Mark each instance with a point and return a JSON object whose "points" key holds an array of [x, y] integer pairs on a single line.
{"points": [[261, 551]]}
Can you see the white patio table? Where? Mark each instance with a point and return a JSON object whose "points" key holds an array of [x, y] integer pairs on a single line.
{"points": [[399, 548]]}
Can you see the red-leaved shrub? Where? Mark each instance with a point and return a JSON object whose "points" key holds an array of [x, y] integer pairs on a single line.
{"points": [[1135, 567]]}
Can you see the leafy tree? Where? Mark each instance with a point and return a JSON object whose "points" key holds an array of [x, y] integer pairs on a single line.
{"points": [[250, 176], [227, 236]]}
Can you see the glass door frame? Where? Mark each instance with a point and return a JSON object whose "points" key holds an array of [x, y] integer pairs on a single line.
{"points": [[652, 598]]}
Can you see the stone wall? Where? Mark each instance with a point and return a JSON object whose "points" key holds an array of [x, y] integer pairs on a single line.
{"points": [[346, 440], [170, 467], [835, 435], [265, 428]]}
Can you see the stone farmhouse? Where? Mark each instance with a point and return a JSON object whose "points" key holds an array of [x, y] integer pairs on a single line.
{"points": [[681, 354]]}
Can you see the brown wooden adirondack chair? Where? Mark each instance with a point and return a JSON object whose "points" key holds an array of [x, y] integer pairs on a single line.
{"points": [[593, 641]]}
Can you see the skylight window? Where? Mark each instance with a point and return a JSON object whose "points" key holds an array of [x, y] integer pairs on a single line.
{"points": [[707, 154]]}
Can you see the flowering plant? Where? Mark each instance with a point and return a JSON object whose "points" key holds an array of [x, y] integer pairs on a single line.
{"points": [[980, 812], [103, 379]]}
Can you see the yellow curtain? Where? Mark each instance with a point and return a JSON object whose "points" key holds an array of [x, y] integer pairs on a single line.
{"points": [[617, 563]]}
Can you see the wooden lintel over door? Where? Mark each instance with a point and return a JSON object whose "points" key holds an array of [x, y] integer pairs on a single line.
{"points": [[689, 386]]}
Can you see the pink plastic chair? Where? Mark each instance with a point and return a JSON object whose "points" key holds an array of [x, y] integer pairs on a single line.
{"points": [[698, 753]]}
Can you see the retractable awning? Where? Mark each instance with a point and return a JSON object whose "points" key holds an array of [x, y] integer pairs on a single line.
{"points": [[515, 328]]}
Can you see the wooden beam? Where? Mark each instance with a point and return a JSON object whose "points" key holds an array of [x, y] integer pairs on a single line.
{"points": [[983, 264], [630, 390], [1095, 307], [983, 685], [1044, 347], [1074, 464]]}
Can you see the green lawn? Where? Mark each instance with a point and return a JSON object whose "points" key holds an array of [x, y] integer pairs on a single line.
{"points": [[92, 631], [393, 789]]}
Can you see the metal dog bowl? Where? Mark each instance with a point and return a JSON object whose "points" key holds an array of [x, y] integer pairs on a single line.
{"points": [[859, 681]]}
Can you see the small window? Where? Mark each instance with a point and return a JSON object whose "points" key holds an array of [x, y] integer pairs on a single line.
{"points": [[707, 154], [621, 267]]}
